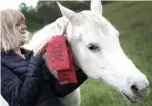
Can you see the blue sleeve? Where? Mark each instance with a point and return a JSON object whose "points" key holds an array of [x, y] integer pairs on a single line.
{"points": [[21, 92], [63, 90]]}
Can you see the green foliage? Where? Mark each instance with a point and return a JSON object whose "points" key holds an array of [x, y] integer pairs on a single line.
{"points": [[47, 11], [30, 13]]}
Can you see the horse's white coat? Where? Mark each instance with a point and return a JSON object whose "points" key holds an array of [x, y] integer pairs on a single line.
{"points": [[108, 62], [73, 99], [3, 102]]}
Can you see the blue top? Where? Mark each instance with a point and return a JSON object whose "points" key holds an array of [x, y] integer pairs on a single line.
{"points": [[28, 82]]}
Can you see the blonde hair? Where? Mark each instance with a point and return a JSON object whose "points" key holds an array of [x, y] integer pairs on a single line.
{"points": [[10, 37]]}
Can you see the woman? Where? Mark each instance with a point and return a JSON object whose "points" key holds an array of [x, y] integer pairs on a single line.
{"points": [[25, 79]]}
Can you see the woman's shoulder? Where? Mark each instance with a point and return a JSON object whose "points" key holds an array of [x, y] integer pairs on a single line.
{"points": [[6, 56], [11, 57]]}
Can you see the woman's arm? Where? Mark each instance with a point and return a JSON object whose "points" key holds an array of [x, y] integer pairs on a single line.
{"points": [[13, 89], [63, 90]]}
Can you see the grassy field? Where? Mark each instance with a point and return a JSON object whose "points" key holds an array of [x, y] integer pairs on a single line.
{"points": [[134, 21]]}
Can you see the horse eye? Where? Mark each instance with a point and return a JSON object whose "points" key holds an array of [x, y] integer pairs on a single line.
{"points": [[93, 47]]}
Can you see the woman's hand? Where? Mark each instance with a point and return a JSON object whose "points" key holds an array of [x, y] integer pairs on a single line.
{"points": [[41, 50]]}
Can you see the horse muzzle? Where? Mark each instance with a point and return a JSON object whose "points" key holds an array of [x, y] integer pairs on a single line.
{"points": [[136, 94]]}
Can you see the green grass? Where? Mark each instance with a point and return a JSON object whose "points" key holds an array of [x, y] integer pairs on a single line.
{"points": [[134, 21]]}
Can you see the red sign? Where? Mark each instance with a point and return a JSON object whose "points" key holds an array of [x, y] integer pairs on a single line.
{"points": [[60, 59]]}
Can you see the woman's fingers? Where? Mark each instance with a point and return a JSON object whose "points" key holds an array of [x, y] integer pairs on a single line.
{"points": [[43, 50]]}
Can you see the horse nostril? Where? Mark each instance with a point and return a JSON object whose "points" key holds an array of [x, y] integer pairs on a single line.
{"points": [[135, 90], [139, 91]]}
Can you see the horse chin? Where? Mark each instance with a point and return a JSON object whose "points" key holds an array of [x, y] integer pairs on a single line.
{"points": [[132, 99]]}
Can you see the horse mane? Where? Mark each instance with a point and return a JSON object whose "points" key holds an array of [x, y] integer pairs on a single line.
{"points": [[47, 32]]}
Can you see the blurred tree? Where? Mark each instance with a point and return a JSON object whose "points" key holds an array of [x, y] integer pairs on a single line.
{"points": [[47, 11], [32, 21]]}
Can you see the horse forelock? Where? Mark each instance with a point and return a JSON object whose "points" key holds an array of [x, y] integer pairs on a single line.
{"points": [[94, 22]]}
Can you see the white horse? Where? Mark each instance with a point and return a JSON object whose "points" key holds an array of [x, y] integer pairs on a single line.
{"points": [[95, 45]]}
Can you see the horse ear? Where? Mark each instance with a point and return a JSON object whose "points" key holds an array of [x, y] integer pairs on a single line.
{"points": [[65, 11], [96, 6]]}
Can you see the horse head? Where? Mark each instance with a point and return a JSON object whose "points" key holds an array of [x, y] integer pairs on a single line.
{"points": [[97, 50]]}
